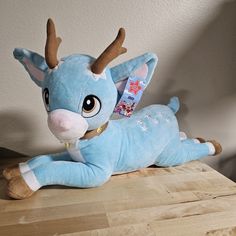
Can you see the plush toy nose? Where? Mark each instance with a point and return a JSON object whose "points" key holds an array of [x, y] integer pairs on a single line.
{"points": [[66, 125], [59, 121]]}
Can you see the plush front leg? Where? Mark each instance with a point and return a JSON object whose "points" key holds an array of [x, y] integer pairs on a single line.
{"points": [[74, 174], [17, 169]]}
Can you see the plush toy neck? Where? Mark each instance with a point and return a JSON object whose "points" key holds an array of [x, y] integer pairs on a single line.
{"points": [[89, 134], [92, 133]]}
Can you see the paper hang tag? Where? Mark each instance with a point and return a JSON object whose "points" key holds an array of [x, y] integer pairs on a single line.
{"points": [[131, 96]]}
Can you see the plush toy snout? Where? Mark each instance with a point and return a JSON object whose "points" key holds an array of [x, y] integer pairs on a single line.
{"points": [[67, 126]]}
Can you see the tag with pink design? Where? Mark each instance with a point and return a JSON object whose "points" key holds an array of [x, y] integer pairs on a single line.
{"points": [[132, 93]]}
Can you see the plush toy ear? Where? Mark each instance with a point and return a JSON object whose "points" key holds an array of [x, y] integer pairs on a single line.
{"points": [[124, 70], [131, 79], [34, 64]]}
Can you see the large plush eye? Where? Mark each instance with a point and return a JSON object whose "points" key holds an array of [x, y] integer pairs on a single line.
{"points": [[46, 98], [91, 106]]}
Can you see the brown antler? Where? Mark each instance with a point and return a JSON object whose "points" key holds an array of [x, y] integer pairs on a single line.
{"points": [[52, 45], [111, 52]]}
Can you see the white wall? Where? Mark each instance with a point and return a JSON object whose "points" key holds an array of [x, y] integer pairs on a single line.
{"points": [[194, 39]]}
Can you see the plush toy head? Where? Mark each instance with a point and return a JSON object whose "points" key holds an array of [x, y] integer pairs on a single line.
{"points": [[80, 92]]}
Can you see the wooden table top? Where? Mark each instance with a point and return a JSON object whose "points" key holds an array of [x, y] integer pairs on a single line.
{"points": [[192, 199]]}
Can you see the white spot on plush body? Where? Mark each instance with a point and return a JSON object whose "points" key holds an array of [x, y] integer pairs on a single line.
{"points": [[75, 152], [97, 77], [31, 180], [100, 76], [153, 119]]}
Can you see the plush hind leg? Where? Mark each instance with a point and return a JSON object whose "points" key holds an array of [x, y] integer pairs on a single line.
{"points": [[17, 169], [217, 146], [178, 152]]}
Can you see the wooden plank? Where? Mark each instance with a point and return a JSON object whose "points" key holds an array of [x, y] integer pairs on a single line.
{"points": [[50, 213], [210, 224], [164, 212], [56, 227], [143, 229], [231, 231], [195, 225]]}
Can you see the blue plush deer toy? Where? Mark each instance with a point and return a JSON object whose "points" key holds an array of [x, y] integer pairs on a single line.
{"points": [[80, 94]]}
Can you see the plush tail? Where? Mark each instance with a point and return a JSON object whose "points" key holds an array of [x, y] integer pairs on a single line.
{"points": [[174, 104]]}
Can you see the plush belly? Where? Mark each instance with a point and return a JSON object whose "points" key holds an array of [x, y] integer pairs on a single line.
{"points": [[145, 135]]}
